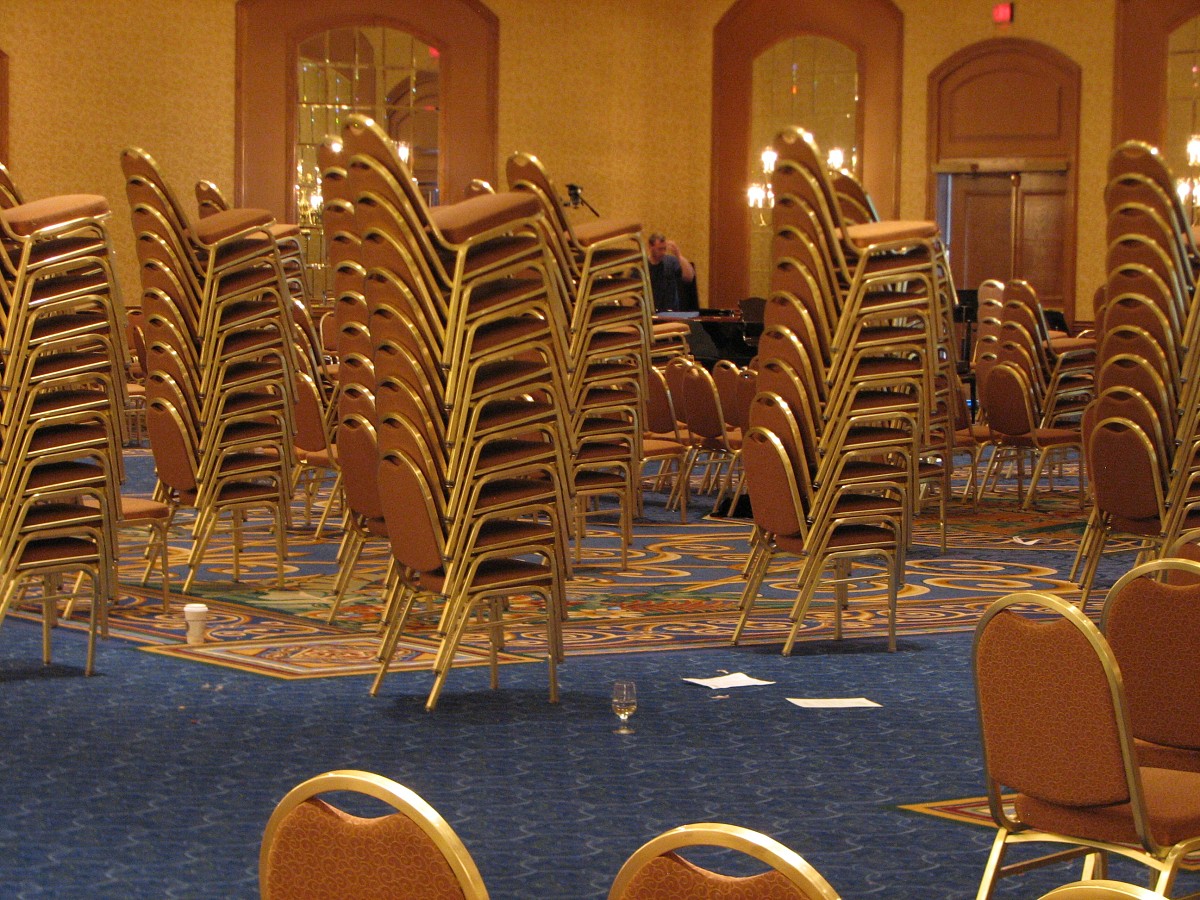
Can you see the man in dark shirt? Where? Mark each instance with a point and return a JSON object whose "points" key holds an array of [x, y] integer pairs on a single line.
{"points": [[670, 271]]}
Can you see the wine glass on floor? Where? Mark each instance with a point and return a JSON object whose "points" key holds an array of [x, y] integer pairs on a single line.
{"points": [[624, 704]]}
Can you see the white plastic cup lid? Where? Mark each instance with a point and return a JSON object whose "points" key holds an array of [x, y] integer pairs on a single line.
{"points": [[195, 608]]}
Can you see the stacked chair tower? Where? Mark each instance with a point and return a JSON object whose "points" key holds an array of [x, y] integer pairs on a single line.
{"points": [[601, 270], [1140, 431], [62, 403], [462, 380], [854, 415], [221, 360]]}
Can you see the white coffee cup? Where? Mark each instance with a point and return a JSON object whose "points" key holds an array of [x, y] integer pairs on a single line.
{"points": [[196, 615]]}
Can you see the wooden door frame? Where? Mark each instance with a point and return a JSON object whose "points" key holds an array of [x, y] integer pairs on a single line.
{"points": [[4, 108], [269, 32], [1143, 30], [1065, 146], [873, 29]]}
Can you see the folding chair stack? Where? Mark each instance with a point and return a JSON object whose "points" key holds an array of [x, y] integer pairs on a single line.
{"points": [[601, 265], [1142, 426], [221, 361], [862, 316], [467, 374], [62, 404]]}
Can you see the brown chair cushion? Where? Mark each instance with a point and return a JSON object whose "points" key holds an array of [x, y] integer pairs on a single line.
{"points": [[869, 233], [459, 222], [597, 230], [27, 218], [1172, 803], [219, 226]]}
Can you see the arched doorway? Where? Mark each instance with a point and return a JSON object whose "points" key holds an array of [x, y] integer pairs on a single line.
{"points": [[1004, 136], [1143, 29], [465, 33], [874, 30]]}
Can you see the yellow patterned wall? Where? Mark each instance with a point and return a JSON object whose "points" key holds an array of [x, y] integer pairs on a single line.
{"points": [[89, 78], [614, 95], [935, 30]]}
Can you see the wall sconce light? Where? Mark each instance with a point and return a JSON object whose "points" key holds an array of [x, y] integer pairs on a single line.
{"points": [[759, 195], [1188, 188]]}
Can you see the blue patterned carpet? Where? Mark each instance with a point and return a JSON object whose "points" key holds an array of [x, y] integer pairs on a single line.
{"points": [[155, 777]]}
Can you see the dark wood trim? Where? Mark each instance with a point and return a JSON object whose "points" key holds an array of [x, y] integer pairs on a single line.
{"points": [[466, 34], [3, 107], [873, 29], [1000, 164]]}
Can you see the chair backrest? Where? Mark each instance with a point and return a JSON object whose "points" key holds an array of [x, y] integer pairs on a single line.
{"points": [[1125, 402], [315, 850], [1051, 707], [358, 453], [1140, 311], [657, 871], [174, 454], [856, 204], [1019, 292], [660, 409], [1134, 373], [414, 527], [1122, 466], [675, 371], [1006, 399], [771, 412], [1138, 278], [1127, 339], [771, 483], [209, 199], [702, 410], [10, 195], [725, 375], [525, 172], [1100, 889], [1153, 627], [1139, 158], [312, 429]]}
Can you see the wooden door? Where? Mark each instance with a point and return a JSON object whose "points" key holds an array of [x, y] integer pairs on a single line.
{"points": [[1004, 133], [1008, 224]]}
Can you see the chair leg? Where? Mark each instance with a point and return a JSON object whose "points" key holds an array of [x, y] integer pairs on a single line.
{"points": [[353, 543], [809, 575], [335, 493], [280, 544], [1085, 540], [991, 871], [754, 579], [393, 630]]}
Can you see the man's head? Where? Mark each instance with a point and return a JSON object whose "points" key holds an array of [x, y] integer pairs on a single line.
{"points": [[656, 247]]}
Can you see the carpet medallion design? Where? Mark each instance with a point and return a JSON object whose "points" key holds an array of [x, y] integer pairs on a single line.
{"points": [[681, 591]]}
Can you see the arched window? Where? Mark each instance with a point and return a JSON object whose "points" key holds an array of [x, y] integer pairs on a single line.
{"points": [[1143, 32], [380, 72], [1181, 149], [874, 31], [808, 81], [270, 36]]}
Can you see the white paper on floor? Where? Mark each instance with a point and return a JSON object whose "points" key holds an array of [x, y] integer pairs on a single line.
{"points": [[734, 679], [831, 702]]}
